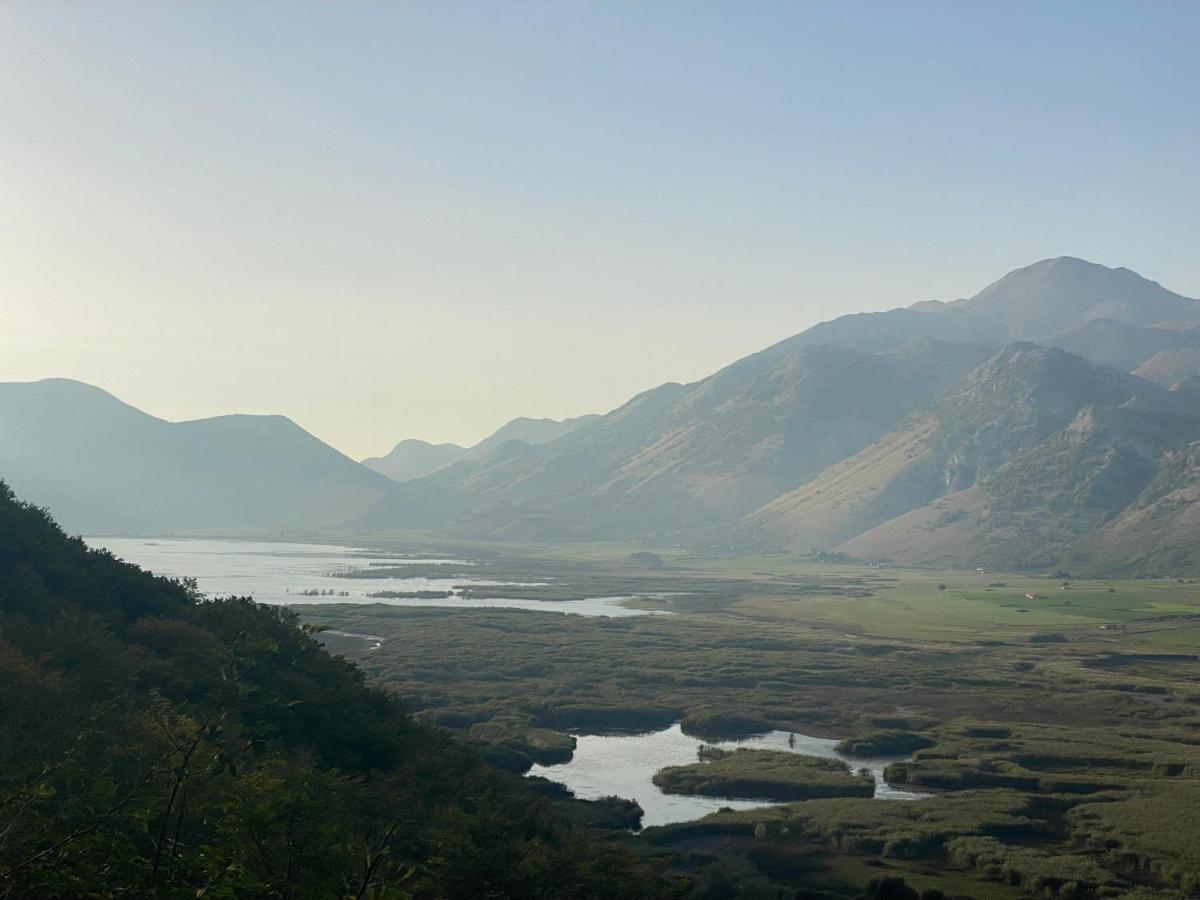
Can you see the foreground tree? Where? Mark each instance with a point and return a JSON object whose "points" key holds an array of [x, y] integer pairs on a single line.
{"points": [[154, 744]]}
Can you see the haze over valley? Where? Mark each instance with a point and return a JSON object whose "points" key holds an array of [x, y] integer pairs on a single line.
{"points": [[1047, 421], [599, 451]]}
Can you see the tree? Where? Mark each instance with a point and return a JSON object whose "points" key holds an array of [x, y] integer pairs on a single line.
{"points": [[156, 744]]}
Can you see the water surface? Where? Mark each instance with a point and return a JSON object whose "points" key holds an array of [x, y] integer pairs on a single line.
{"points": [[278, 572], [622, 765]]}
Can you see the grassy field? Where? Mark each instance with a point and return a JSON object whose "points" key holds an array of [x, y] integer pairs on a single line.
{"points": [[1058, 724]]}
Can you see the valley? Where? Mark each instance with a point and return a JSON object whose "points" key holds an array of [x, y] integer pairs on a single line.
{"points": [[1025, 721], [911, 594], [599, 451], [1049, 421]]}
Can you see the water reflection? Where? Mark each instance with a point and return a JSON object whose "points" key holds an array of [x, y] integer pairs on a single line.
{"points": [[623, 765], [281, 573]]}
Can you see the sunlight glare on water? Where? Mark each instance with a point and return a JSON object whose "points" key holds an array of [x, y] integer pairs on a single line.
{"points": [[277, 572]]}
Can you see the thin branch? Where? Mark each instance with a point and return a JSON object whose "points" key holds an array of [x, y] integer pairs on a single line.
{"points": [[374, 862], [79, 832], [213, 881], [180, 778]]}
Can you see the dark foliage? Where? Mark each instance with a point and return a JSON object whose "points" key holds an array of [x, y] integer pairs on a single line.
{"points": [[153, 744], [897, 889]]}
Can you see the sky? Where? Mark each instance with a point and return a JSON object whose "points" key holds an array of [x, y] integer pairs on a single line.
{"points": [[390, 220]]}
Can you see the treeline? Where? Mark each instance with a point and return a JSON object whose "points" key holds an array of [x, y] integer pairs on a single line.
{"points": [[152, 743]]}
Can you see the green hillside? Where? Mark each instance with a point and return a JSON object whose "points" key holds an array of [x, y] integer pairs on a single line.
{"points": [[155, 745]]}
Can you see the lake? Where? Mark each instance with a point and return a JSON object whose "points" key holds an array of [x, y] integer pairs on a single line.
{"points": [[623, 764], [278, 572]]}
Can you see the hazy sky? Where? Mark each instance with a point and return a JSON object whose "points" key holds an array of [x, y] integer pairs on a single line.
{"points": [[392, 220]]}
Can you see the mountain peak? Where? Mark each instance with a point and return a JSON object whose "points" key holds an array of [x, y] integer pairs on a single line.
{"points": [[105, 466], [1027, 355], [1070, 262], [531, 431], [413, 458], [1047, 278], [1055, 295], [1024, 381]]}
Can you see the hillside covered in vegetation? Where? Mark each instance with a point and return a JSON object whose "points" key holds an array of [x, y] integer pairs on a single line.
{"points": [[152, 743]]}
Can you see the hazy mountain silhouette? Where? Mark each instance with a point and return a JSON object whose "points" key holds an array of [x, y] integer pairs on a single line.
{"points": [[1124, 346], [920, 435], [1171, 367], [837, 431], [414, 458], [1037, 303], [679, 456], [530, 431], [1055, 295], [100, 465]]}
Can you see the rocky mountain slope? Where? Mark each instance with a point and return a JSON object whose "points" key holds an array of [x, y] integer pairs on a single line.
{"points": [[1127, 347], [1158, 533], [1021, 465], [1027, 425], [682, 456], [875, 421]]}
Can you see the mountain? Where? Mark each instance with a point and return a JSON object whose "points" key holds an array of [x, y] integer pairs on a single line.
{"points": [[152, 745], [530, 431], [1056, 295], [102, 466], [679, 456], [693, 459], [1012, 427], [1037, 303], [1124, 346], [874, 332], [1171, 367], [413, 459], [1158, 534], [1033, 452]]}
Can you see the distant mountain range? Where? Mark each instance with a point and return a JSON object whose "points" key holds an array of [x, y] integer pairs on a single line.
{"points": [[414, 458], [102, 466], [1052, 419]]}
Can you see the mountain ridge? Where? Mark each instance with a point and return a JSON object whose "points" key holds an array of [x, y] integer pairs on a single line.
{"points": [[413, 458], [102, 465], [858, 434]]}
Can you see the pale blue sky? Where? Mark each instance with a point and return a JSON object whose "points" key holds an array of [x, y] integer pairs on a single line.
{"points": [[389, 220]]}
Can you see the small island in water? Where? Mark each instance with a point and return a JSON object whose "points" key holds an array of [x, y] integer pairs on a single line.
{"points": [[764, 774]]}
